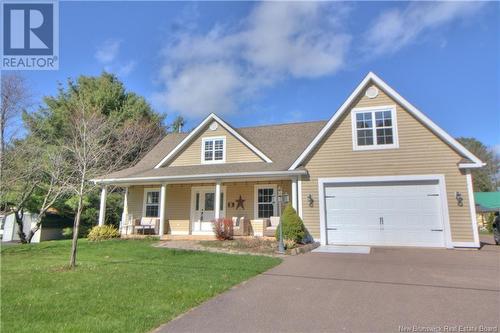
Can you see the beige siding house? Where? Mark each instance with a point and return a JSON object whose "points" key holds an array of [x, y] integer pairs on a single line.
{"points": [[379, 172]]}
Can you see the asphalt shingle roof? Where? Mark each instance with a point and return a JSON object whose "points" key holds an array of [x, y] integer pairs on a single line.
{"points": [[281, 143]]}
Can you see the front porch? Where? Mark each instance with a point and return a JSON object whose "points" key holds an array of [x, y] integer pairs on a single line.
{"points": [[172, 210]]}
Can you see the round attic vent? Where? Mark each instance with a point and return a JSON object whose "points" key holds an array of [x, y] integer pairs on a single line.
{"points": [[213, 126], [371, 92]]}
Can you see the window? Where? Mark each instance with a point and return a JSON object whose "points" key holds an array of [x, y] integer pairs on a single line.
{"points": [[374, 128], [151, 203], [213, 150], [265, 202]]}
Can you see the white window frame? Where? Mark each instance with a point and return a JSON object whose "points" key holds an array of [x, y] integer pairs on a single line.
{"points": [[144, 198], [372, 110], [256, 198], [213, 138]]}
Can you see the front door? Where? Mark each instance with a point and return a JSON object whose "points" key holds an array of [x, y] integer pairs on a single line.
{"points": [[204, 209]]}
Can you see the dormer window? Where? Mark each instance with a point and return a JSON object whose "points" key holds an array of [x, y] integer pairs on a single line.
{"points": [[374, 128], [213, 150]]}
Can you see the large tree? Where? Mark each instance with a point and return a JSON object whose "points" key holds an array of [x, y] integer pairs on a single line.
{"points": [[485, 179]]}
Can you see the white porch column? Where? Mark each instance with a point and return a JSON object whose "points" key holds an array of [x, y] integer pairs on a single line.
{"points": [[217, 199], [294, 193], [102, 207], [299, 195], [163, 198], [125, 209]]}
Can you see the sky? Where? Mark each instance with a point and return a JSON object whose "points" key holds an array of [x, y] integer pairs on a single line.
{"points": [[256, 63]]}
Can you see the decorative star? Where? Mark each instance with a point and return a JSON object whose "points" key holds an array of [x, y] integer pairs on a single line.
{"points": [[240, 202]]}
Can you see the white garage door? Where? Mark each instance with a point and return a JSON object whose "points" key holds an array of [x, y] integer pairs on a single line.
{"points": [[384, 213]]}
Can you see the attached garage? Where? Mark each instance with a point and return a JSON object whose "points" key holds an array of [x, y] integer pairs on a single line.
{"points": [[385, 211]]}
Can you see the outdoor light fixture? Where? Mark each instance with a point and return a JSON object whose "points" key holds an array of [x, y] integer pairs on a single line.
{"points": [[310, 200], [460, 199]]}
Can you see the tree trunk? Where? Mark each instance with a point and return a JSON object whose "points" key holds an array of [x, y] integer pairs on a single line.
{"points": [[19, 220], [76, 226], [33, 230]]}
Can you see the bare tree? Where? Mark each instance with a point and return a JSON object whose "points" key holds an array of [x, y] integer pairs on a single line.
{"points": [[15, 98], [98, 145]]}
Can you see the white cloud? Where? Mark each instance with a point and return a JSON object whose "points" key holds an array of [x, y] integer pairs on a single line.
{"points": [[107, 54], [108, 51], [215, 71], [395, 28]]}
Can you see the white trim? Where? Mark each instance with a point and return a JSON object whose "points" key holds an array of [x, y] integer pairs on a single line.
{"points": [[202, 176], [375, 145], [381, 179], [299, 195], [472, 208], [123, 221], [163, 197], [398, 98], [470, 165], [294, 194], [144, 197], [213, 138], [256, 187], [193, 134], [217, 200], [102, 206]]}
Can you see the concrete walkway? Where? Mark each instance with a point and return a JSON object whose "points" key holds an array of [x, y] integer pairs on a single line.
{"points": [[389, 290]]}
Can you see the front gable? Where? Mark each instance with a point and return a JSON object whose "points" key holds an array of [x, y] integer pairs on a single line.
{"points": [[235, 150], [388, 98], [414, 143], [224, 142]]}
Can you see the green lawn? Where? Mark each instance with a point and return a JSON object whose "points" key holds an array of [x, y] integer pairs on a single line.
{"points": [[118, 286]]}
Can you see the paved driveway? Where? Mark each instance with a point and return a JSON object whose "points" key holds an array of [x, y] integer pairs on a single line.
{"points": [[386, 291]]}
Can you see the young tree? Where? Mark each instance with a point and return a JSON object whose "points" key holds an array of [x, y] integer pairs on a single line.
{"points": [[485, 179], [96, 145]]}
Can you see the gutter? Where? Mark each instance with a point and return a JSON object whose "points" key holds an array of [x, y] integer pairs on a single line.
{"points": [[200, 177]]}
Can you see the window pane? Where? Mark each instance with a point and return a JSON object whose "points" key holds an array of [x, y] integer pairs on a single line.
{"points": [[209, 155], [364, 120], [218, 155], [209, 201], [221, 201], [383, 118], [265, 210], [152, 197], [219, 144], [152, 211], [384, 136], [209, 145], [197, 201], [365, 137]]}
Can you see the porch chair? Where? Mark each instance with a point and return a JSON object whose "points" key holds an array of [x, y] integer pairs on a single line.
{"points": [[271, 226], [239, 226], [127, 225], [148, 223]]}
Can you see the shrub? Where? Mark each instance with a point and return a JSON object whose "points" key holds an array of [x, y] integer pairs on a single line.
{"points": [[489, 222], [223, 228], [289, 244], [103, 232], [293, 227]]}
